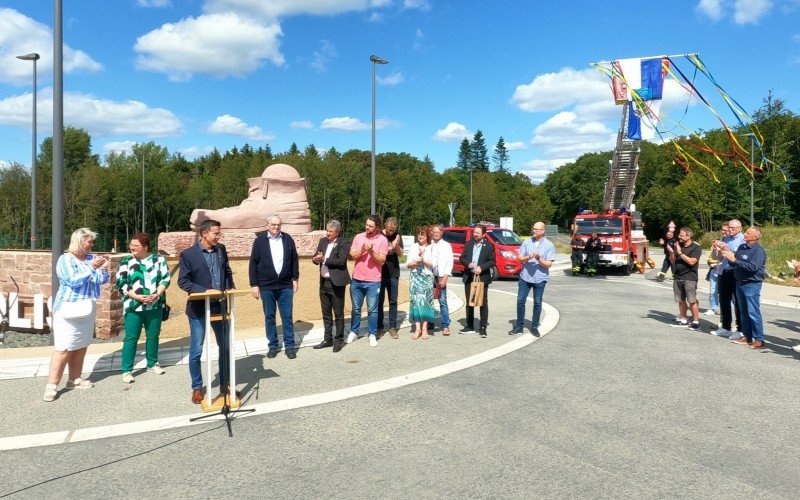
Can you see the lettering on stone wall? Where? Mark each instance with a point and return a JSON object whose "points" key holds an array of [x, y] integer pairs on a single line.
{"points": [[36, 322]]}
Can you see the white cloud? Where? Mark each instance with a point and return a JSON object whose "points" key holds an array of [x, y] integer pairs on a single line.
{"points": [[192, 152], [154, 3], [711, 8], [417, 4], [537, 170], [375, 17], [418, 37], [395, 78], [324, 56], [302, 124], [565, 134], [280, 8], [231, 125], [98, 116], [348, 124], [453, 132], [213, 44], [744, 11], [20, 35], [516, 146], [750, 11], [4, 164], [553, 91], [119, 146]]}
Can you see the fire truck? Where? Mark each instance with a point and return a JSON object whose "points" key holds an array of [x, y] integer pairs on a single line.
{"points": [[619, 226]]}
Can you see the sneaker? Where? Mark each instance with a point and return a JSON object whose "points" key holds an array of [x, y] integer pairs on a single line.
{"points": [[373, 341], [393, 333], [467, 329], [743, 341], [351, 337], [721, 332], [736, 336], [680, 321], [516, 331], [694, 326], [758, 344], [50, 392], [127, 378], [796, 348], [483, 334], [156, 369], [535, 332], [710, 312]]}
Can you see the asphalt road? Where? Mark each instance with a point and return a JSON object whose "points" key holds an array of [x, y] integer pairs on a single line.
{"points": [[613, 403]]}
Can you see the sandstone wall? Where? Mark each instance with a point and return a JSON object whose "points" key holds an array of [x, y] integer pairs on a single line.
{"points": [[238, 243]]}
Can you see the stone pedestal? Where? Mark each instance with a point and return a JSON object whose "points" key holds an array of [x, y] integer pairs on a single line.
{"points": [[239, 243]]}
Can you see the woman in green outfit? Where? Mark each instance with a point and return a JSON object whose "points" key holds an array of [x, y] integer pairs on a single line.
{"points": [[420, 259], [142, 279]]}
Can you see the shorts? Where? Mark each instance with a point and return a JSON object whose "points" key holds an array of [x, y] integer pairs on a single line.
{"points": [[685, 291]]}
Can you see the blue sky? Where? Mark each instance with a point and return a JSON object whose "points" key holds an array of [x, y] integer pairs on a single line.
{"points": [[194, 75]]}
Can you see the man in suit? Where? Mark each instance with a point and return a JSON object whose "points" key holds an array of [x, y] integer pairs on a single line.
{"points": [[332, 254], [203, 267], [274, 277], [478, 260]]}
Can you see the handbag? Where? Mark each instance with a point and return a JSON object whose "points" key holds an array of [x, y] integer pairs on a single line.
{"points": [[165, 312], [437, 292], [476, 294], [77, 310]]}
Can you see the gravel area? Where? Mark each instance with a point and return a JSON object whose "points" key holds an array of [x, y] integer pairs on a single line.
{"points": [[19, 339]]}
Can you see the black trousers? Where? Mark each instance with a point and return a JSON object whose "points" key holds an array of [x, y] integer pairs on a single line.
{"points": [[666, 265], [726, 285], [577, 258], [331, 297], [592, 258], [484, 307]]}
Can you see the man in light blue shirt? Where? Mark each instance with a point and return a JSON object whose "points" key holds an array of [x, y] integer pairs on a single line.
{"points": [[537, 255], [726, 284]]}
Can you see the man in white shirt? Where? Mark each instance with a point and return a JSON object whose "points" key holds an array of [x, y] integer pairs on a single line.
{"points": [[442, 269]]}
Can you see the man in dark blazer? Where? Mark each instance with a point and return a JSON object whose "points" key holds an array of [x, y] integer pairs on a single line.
{"points": [[274, 277], [478, 260], [332, 254], [203, 267]]}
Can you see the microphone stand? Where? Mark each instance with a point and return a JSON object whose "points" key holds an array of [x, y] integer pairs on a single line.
{"points": [[225, 350]]}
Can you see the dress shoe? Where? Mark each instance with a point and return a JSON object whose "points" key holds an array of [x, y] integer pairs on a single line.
{"points": [[197, 396], [324, 344], [743, 341], [535, 332], [393, 333], [291, 353], [272, 353], [338, 346], [515, 331], [758, 344]]}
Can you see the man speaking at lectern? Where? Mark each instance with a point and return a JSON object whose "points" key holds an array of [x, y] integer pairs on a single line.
{"points": [[203, 267]]}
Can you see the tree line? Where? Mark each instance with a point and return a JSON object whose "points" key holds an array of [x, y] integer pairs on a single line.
{"points": [[105, 193]]}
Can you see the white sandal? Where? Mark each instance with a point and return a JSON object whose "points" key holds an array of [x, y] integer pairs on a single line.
{"points": [[50, 392], [80, 383]]}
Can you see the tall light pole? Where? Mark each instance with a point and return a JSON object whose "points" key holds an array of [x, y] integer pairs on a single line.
{"points": [[375, 60], [143, 225], [752, 173], [470, 193], [33, 56], [57, 232]]}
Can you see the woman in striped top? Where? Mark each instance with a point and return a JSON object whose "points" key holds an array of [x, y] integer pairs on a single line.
{"points": [[142, 279], [80, 275]]}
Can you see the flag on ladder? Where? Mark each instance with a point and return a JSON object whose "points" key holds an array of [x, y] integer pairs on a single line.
{"points": [[641, 83]]}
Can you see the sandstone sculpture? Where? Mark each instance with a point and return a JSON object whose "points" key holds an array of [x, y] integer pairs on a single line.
{"points": [[280, 190]]}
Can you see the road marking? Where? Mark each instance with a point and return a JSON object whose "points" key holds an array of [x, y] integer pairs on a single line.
{"points": [[549, 322]]}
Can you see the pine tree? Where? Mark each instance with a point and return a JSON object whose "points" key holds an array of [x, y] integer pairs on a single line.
{"points": [[463, 162], [293, 149], [500, 156], [479, 157]]}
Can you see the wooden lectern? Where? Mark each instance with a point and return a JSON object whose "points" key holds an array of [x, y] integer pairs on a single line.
{"points": [[233, 402]]}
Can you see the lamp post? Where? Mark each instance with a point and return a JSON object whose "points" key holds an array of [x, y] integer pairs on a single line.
{"points": [[33, 56], [57, 231], [752, 173], [143, 224], [470, 193], [375, 60]]}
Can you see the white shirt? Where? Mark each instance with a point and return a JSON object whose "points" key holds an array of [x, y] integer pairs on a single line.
{"points": [[323, 269], [276, 249], [442, 258], [412, 255]]}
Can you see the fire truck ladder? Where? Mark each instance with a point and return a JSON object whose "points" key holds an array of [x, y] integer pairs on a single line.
{"points": [[623, 170]]}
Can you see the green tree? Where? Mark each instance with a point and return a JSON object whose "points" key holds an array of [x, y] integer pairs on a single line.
{"points": [[479, 159], [500, 155], [463, 161]]}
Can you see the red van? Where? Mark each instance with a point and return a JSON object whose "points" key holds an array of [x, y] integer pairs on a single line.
{"points": [[506, 245]]}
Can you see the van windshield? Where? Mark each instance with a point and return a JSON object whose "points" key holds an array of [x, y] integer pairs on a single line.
{"points": [[505, 237]]}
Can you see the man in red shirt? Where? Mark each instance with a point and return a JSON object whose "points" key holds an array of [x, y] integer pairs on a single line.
{"points": [[368, 250]]}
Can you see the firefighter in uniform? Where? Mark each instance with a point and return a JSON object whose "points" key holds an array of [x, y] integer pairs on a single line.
{"points": [[577, 253], [592, 250]]}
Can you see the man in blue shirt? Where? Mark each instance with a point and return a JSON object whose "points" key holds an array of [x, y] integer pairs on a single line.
{"points": [[749, 267], [537, 254], [726, 284]]}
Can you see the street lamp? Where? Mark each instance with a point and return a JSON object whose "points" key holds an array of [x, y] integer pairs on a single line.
{"points": [[143, 225], [375, 60], [33, 56], [752, 173], [471, 169], [57, 231]]}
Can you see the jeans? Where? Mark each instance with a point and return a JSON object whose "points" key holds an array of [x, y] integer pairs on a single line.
{"points": [[713, 293], [358, 290], [134, 321], [388, 284], [524, 288], [444, 310], [197, 334], [282, 297], [749, 298]]}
